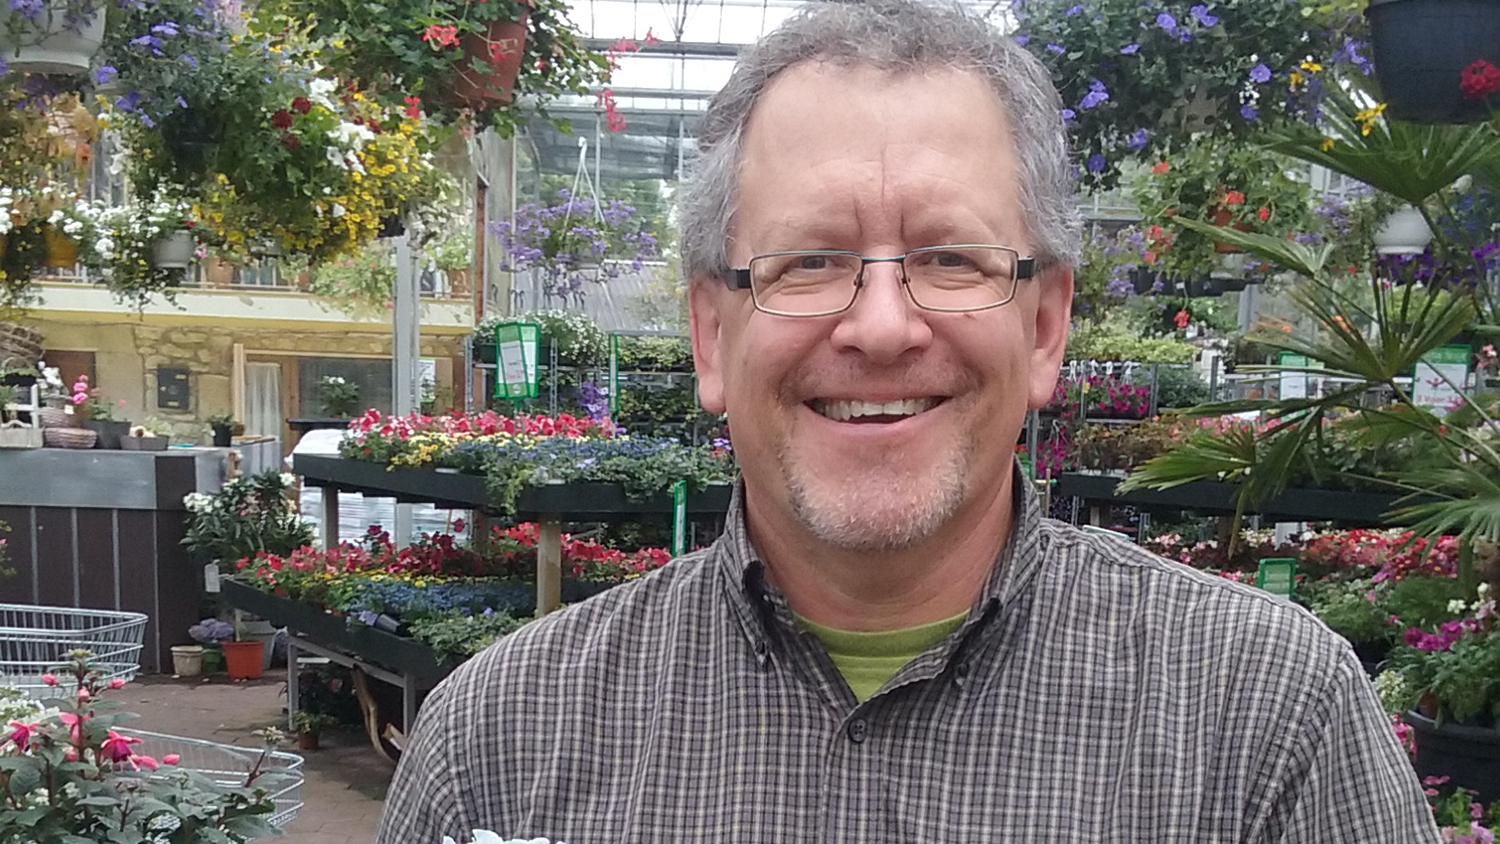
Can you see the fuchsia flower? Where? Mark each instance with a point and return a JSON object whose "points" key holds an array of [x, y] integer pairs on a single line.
{"points": [[75, 721], [116, 748], [21, 733]]}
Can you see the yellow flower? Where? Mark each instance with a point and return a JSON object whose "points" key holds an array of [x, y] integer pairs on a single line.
{"points": [[1326, 145], [1368, 117], [1294, 78], [1310, 66]]}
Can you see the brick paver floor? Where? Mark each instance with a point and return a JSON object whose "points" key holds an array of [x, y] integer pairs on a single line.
{"points": [[346, 779]]}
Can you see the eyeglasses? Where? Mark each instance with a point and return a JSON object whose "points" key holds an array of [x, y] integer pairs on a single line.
{"points": [[822, 282]]}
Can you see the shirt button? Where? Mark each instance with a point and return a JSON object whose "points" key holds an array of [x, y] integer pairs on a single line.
{"points": [[858, 730]]}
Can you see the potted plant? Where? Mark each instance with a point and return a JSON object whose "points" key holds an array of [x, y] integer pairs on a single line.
{"points": [[247, 516], [138, 247], [462, 62], [244, 659], [222, 426], [97, 414], [1425, 53], [308, 726], [55, 36], [151, 434], [340, 397], [574, 241]]}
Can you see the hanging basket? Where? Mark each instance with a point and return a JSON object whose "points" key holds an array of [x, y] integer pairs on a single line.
{"points": [[1421, 46], [173, 251], [62, 251], [56, 42], [1405, 232], [1222, 217], [500, 49]]}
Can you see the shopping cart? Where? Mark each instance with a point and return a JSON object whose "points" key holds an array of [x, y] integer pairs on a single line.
{"points": [[36, 640], [228, 765]]}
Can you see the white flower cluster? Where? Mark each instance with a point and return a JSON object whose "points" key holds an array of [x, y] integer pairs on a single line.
{"points": [[347, 139], [197, 502], [7, 201]]}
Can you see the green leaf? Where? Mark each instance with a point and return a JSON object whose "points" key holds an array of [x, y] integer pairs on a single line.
{"points": [[1302, 258]]}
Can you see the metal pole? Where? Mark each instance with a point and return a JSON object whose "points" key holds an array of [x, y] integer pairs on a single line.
{"points": [[405, 351]]}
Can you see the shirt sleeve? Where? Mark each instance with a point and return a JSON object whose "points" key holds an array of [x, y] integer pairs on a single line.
{"points": [[423, 803], [1344, 778]]}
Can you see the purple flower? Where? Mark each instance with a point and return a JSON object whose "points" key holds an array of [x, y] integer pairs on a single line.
{"points": [[1130, 49], [190, 60], [105, 74], [1074, 11], [1097, 94], [1349, 53], [1056, 48], [28, 9], [1096, 163], [1201, 15], [1248, 112], [4, 67], [1184, 35], [1166, 21], [1260, 73], [1023, 40], [1137, 140], [1068, 114], [165, 28]]}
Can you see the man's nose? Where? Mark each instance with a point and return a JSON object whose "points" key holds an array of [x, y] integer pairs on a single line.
{"points": [[883, 323]]}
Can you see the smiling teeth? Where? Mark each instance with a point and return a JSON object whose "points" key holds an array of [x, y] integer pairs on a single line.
{"points": [[843, 411]]}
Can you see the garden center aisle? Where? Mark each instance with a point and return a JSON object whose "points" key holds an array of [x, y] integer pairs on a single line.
{"points": [[346, 782]]}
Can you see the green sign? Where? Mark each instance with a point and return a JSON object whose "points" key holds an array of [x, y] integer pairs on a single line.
{"points": [[679, 518], [1277, 575], [515, 360], [1439, 377], [614, 373]]}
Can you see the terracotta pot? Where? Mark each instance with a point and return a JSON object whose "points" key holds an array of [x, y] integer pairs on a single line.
{"points": [[307, 741], [244, 660], [1221, 217], [469, 88]]}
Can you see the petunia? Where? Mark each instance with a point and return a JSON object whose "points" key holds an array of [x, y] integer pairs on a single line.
{"points": [[1260, 73]]}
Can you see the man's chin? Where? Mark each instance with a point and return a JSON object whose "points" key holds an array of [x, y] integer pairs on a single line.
{"points": [[871, 515]]}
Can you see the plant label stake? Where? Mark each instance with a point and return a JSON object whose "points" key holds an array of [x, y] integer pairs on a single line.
{"points": [[614, 374], [1277, 575], [515, 360], [1292, 384], [679, 518], [1438, 379]]}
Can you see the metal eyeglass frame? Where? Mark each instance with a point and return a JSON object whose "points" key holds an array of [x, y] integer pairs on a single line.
{"points": [[1026, 268]]}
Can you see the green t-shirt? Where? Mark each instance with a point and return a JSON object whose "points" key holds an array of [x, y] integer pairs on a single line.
{"points": [[868, 660]]}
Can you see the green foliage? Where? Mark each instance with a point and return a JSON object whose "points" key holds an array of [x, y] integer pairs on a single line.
{"points": [[70, 778], [1086, 343], [1176, 386], [579, 341], [1174, 83], [1423, 601], [1347, 609], [1464, 679], [655, 354], [340, 397], [457, 635], [357, 283], [246, 516]]}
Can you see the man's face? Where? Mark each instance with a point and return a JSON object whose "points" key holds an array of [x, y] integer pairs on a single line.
{"points": [[878, 163]]}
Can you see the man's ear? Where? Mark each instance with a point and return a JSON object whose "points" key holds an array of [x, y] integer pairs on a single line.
{"points": [[1054, 313], [705, 325]]}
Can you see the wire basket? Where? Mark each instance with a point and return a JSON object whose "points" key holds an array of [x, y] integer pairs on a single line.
{"points": [[227, 765], [36, 640]]}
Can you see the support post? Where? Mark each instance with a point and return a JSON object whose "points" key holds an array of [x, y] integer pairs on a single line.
{"points": [[548, 564], [406, 392], [328, 525]]}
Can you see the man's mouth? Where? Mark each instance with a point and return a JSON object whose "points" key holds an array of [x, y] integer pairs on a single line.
{"points": [[852, 410]]}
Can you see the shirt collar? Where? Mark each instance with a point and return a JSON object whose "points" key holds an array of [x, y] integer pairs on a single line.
{"points": [[757, 604]]}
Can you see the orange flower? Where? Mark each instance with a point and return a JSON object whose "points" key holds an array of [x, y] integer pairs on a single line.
{"points": [[1233, 198], [1161, 167]]}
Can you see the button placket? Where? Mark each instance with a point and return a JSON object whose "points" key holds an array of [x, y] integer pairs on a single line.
{"points": [[858, 730]]}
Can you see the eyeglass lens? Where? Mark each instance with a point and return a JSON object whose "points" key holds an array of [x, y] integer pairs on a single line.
{"points": [[939, 278]]}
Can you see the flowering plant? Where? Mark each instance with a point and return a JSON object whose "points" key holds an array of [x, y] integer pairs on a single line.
{"points": [[1461, 819], [578, 339], [247, 515], [1453, 670], [118, 240], [211, 631], [440, 55], [573, 241], [1144, 80], [86, 401], [338, 395], [70, 776], [416, 439]]}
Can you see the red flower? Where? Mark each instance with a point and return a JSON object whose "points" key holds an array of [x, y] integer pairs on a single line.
{"points": [[1182, 319], [1161, 167], [441, 36], [1479, 80], [1264, 213], [414, 107], [282, 119], [290, 141], [302, 105], [1234, 197]]}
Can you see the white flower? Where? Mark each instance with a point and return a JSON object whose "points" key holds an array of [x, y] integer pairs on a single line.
{"points": [[1458, 605], [1483, 589], [288, 479], [339, 210]]}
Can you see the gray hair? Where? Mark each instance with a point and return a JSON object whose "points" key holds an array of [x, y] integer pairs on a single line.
{"points": [[897, 36]]}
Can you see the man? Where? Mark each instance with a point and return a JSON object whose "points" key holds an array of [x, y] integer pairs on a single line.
{"points": [[889, 643]]}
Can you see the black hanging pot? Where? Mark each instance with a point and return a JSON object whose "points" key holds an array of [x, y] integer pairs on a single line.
{"points": [[1422, 47], [1205, 286], [1142, 280]]}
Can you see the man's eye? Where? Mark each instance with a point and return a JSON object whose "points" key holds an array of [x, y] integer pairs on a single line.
{"points": [[812, 262]]}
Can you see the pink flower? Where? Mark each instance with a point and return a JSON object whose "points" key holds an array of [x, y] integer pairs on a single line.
{"points": [[116, 748], [171, 759], [49, 680], [146, 762], [117, 683], [20, 733], [74, 720]]}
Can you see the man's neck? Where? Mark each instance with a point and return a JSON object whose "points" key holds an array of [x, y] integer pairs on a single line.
{"points": [[935, 579]]}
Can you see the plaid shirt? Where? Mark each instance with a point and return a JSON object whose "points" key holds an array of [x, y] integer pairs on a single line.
{"points": [[1094, 693]]}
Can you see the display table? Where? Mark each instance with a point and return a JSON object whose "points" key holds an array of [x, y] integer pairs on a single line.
{"points": [[1211, 498]]}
